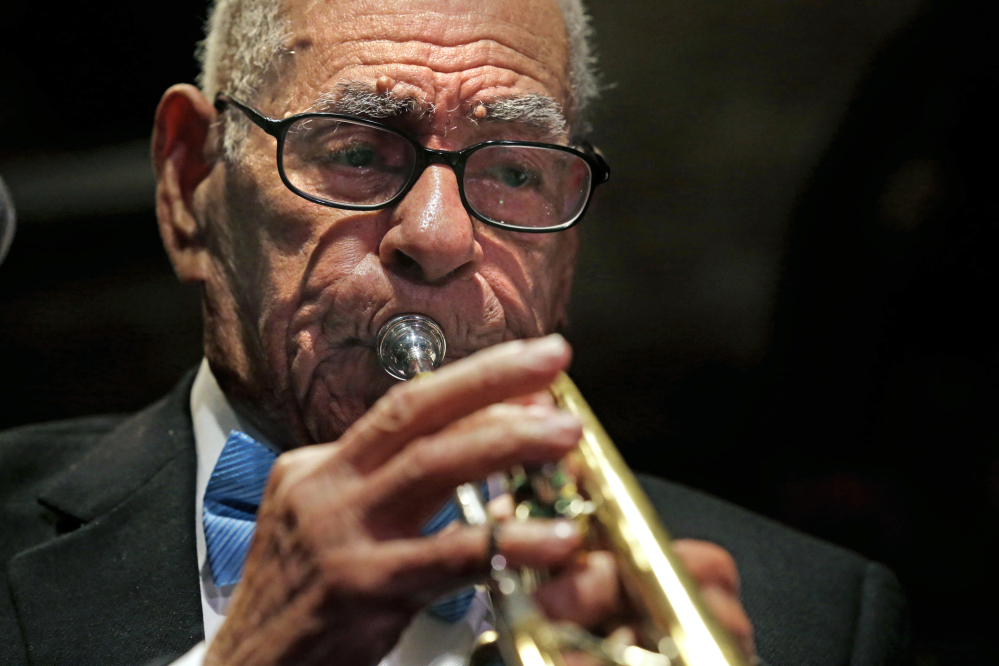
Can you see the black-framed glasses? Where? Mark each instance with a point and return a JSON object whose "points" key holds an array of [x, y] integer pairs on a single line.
{"points": [[353, 163]]}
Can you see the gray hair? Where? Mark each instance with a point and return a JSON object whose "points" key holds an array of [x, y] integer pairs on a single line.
{"points": [[358, 99], [245, 38]]}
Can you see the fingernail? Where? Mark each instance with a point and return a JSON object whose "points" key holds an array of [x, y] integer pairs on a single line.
{"points": [[551, 414], [565, 529], [550, 345], [562, 421], [552, 422], [541, 530]]}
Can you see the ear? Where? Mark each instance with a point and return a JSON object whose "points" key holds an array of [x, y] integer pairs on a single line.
{"points": [[183, 158]]}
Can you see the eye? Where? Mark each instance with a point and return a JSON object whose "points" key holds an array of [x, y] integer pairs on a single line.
{"points": [[356, 156], [510, 176]]}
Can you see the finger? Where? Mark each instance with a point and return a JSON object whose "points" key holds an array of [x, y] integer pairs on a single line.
{"points": [[418, 570], [406, 491], [725, 607], [538, 544], [714, 569], [293, 466], [543, 398], [587, 593], [422, 407], [501, 508], [624, 635], [708, 564]]}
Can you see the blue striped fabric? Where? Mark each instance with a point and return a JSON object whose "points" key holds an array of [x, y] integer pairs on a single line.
{"points": [[234, 491], [447, 515], [454, 606], [231, 499]]}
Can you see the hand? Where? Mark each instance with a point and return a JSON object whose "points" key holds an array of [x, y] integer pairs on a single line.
{"points": [[589, 593], [337, 567]]}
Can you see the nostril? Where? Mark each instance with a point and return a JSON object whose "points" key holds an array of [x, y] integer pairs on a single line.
{"points": [[408, 266]]}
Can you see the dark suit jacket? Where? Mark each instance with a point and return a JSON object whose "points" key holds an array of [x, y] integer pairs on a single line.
{"points": [[99, 563]]}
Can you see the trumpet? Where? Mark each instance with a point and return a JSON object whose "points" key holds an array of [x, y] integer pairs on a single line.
{"points": [[604, 495]]}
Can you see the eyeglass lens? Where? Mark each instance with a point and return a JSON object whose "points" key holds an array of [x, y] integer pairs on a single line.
{"points": [[344, 162]]}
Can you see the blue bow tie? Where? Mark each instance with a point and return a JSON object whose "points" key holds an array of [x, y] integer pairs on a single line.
{"points": [[234, 491]]}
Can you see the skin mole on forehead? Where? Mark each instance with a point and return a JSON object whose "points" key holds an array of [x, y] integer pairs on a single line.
{"points": [[384, 84]]}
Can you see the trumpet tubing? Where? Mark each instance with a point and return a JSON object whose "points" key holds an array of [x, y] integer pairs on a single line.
{"points": [[677, 622], [677, 628]]}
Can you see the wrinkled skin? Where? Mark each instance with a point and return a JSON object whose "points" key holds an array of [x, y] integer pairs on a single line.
{"points": [[294, 294], [297, 292]]}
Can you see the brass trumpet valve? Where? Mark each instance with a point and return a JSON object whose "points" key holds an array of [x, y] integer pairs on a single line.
{"points": [[547, 491]]}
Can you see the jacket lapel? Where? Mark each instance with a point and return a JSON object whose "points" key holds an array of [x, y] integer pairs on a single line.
{"points": [[123, 587]]}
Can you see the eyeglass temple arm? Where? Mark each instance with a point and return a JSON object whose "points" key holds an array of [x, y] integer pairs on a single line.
{"points": [[594, 153], [269, 125]]}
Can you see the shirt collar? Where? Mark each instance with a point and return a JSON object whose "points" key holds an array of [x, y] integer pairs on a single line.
{"points": [[213, 418]]}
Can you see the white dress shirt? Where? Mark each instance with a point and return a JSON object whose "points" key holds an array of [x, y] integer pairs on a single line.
{"points": [[428, 641]]}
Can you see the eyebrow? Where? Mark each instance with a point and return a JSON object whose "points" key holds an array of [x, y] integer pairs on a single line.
{"points": [[538, 111], [359, 99]]}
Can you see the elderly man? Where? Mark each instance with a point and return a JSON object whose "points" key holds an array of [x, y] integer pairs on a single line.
{"points": [[334, 170]]}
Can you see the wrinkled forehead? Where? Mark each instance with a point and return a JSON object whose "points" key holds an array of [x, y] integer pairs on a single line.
{"points": [[446, 53]]}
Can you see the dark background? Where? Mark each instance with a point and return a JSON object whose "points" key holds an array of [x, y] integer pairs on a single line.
{"points": [[786, 290]]}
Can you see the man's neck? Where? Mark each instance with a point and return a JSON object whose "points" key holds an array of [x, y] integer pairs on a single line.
{"points": [[266, 421]]}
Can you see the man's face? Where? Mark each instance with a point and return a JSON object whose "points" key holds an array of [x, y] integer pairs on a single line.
{"points": [[298, 291]]}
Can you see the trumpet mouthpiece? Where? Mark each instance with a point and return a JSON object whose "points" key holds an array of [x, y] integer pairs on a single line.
{"points": [[410, 344]]}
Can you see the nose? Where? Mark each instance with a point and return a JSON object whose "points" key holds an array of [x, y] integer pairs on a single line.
{"points": [[431, 238]]}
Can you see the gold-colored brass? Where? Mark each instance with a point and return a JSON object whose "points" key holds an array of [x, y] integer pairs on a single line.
{"points": [[676, 623], [677, 620], [525, 637]]}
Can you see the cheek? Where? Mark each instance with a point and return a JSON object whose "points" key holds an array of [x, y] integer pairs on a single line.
{"points": [[336, 273], [301, 253], [343, 386], [531, 275]]}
